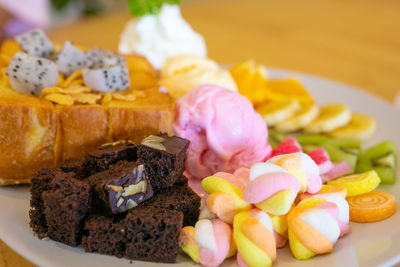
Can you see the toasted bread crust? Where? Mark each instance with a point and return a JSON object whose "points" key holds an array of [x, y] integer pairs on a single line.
{"points": [[35, 133]]}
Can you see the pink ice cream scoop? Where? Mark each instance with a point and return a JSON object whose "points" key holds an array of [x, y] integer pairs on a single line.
{"points": [[225, 132]]}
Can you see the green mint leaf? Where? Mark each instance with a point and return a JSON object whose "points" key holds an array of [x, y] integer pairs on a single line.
{"points": [[140, 8], [175, 2], [59, 5]]}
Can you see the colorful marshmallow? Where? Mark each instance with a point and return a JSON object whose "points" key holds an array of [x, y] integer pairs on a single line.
{"points": [[314, 227], [253, 234], [225, 195], [280, 226], [337, 195], [303, 168], [271, 188], [209, 243]]}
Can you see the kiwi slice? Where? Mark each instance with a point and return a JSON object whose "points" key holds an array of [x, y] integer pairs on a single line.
{"points": [[312, 139], [382, 158], [338, 149]]}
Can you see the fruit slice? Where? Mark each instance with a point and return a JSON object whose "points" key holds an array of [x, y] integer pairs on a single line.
{"points": [[309, 142], [382, 158], [338, 149], [343, 150], [371, 207], [359, 183], [251, 81], [288, 146], [274, 112], [279, 90], [321, 158], [299, 120], [275, 138], [361, 126], [331, 117]]}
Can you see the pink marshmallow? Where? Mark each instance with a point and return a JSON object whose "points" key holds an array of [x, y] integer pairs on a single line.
{"points": [[314, 183], [265, 186], [223, 238], [280, 240], [339, 169], [333, 210]]}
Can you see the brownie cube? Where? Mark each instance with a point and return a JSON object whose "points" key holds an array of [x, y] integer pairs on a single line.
{"points": [[105, 235], [121, 187], [164, 158], [66, 205], [74, 165], [153, 234], [40, 182], [179, 197], [103, 157]]}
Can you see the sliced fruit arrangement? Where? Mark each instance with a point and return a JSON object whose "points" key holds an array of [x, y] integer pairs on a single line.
{"points": [[330, 117], [286, 105], [275, 112], [302, 117], [382, 158], [360, 126], [251, 81]]}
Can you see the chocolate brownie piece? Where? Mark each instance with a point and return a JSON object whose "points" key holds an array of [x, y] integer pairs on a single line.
{"points": [[40, 182], [73, 165], [179, 197], [153, 234], [103, 157], [121, 187], [66, 204], [105, 235], [164, 158]]}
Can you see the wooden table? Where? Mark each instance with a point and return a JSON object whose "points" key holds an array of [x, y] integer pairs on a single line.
{"points": [[353, 41]]}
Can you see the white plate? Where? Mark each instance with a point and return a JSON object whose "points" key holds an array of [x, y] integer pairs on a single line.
{"points": [[366, 245]]}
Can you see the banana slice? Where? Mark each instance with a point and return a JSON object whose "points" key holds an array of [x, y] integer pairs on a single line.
{"points": [[275, 112], [361, 126], [299, 120], [331, 117]]}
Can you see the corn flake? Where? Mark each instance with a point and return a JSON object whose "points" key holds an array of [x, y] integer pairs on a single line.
{"points": [[60, 81], [106, 98], [60, 99], [74, 76], [77, 89], [86, 98], [51, 90], [125, 97]]}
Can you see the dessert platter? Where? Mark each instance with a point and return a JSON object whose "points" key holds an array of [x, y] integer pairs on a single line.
{"points": [[157, 154]]}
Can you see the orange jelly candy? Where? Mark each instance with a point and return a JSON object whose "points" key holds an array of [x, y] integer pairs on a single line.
{"points": [[371, 207]]}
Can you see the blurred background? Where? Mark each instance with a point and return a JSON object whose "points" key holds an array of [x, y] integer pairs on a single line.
{"points": [[353, 41]]}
